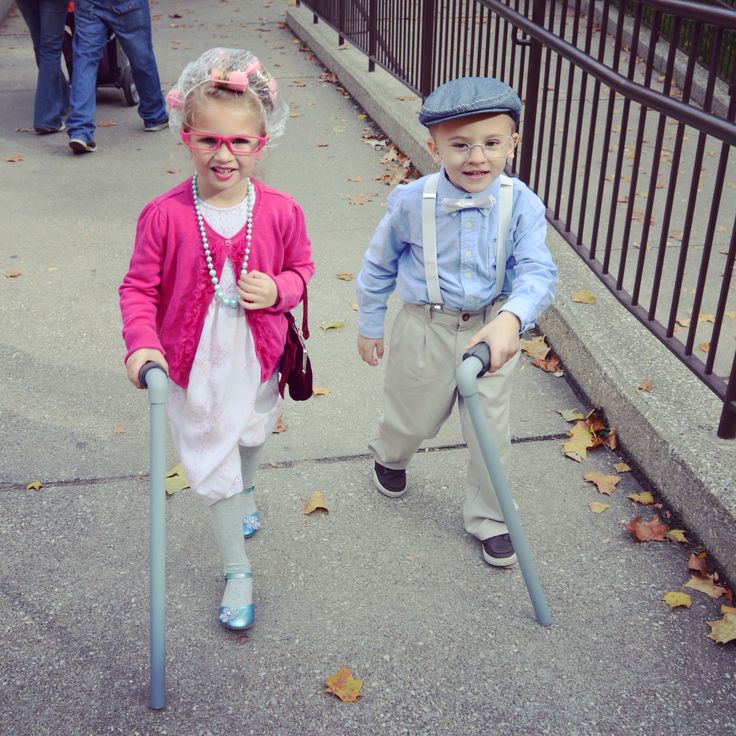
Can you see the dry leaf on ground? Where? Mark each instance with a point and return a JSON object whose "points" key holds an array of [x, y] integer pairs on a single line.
{"points": [[645, 386], [336, 325], [316, 502], [354, 305], [321, 391], [645, 498], [345, 276], [13, 274], [14, 159], [622, 468], [363, 198], [176, 479], [583, 296], [597, 507], [535, 348], [106, 124], [549, 365], [580, 440], [605, 484], [34, 485], [675, 599], [706, 584], [281, 426], [723, 630], [676, 535], [697, 563], [344, 685], [570, 415], [650, 531]]}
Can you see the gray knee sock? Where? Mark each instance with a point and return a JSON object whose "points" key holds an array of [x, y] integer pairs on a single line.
{"points": [[226, 516], [249, 459]]}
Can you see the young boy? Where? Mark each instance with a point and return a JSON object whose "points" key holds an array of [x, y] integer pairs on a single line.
{"points": [[445, 263]]}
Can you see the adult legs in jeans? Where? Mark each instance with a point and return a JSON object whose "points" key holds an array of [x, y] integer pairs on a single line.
{"points": [[90, 37], [45, 20], [133, 30]]}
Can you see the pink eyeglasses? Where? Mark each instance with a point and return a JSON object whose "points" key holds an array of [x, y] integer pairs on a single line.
{"points": [[238, 145]]}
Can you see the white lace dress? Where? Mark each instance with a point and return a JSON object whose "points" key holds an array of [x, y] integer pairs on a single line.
{"points": [[225, 404]]}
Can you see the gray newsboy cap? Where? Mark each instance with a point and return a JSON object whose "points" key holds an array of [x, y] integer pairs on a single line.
{"points": [[459, 98]]}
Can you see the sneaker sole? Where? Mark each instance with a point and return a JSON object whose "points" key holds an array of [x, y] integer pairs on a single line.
{"points": [[386, 491], [499, 561], [80, 147]]}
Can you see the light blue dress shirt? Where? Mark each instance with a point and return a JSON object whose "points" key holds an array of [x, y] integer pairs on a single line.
{"points": [[466, 256]]}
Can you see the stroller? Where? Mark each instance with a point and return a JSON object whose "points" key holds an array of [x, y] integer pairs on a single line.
{"points": [[114, 68]]}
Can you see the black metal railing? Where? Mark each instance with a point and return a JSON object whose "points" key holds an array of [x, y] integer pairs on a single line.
{"points": [[627, 135]]}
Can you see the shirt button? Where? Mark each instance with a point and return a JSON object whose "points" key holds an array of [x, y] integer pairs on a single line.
{"points": [[468, 225], [468, 253], [228, 243]]}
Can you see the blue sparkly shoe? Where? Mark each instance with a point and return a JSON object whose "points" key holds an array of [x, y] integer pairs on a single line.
{"points": [[251, 522], [237, 618]]}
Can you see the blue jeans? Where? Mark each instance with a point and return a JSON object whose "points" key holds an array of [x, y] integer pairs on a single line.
{"points": [[45, 20], [131, 22]]}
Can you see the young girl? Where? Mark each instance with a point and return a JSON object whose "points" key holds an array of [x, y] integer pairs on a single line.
{"points": [[216, 263]]}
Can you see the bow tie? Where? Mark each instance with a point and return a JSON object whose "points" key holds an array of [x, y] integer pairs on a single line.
{"points": [[479, 201]]}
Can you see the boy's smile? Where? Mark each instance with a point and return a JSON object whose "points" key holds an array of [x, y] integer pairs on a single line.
{"points": [[474, 149]]}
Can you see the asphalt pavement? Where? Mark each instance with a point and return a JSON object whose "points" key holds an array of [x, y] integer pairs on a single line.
{"points": [[393, 589]]}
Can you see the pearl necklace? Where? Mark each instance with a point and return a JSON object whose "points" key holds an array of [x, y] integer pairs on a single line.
{"points": [[219, 293]]}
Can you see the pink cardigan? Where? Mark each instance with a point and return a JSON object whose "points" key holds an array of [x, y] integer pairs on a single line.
{"points": [[165, 294]]}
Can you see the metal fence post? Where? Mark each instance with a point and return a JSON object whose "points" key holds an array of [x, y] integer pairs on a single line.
{"points": [[533, 71], [426, 56], [727, 425], [372, 34]]}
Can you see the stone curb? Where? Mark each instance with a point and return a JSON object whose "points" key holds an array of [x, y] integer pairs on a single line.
{"points": [[669, 432]]}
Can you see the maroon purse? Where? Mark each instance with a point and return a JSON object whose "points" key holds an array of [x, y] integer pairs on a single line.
{"points": [[296, 368]]}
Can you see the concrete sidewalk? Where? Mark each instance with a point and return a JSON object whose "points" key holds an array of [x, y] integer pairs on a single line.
{"points": [[393, 589]]}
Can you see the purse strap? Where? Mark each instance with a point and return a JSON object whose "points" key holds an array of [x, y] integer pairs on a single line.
{"points": [[305, 305]]}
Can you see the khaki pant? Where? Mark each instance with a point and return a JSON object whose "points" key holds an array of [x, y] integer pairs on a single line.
{"points": [[419, 394]]}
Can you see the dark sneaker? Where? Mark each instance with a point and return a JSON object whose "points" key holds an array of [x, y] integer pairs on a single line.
{"points": [[498, 551], [391, 483], [79, 146], [49, 131], [156, 126]]}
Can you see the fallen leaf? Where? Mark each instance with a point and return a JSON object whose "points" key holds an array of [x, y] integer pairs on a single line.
{"points": [[354, 304], [581, 439], [281, 426], [34, 485], [723, 630], [328, 77], [676, 535], [676, 234], [621, 468], [295, 114], [706, 584], [727, 609], [119, 429], [731, 313], [697, 563], [645, 386], [344, 685], [336, 325], [345, 276], [650, 531], [535, 348], [570, 415], [361, 116], [360, 198], [173, 171], [404, 98], [243, 638], [645, 498], [583, 296], [316, 501], [323, 145], [704, 346], [597, 507], [13, 274], [14, 159], [605, 484], [176, 480], [705, 318], [321, 391], [355, 178], [52, 269], [298, 83], [106, 123], [549, 365], [674, 599]]}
